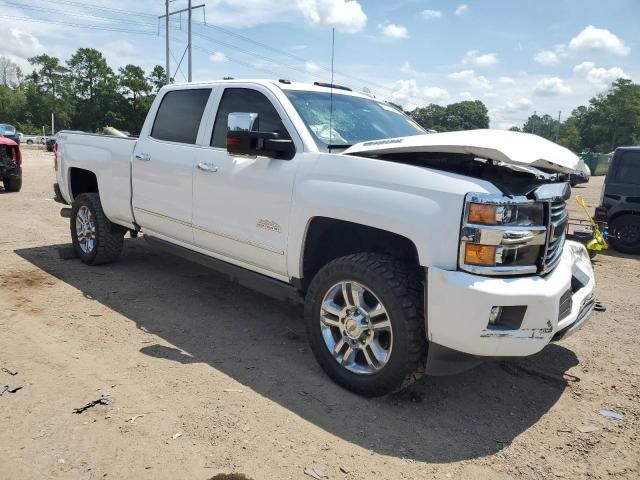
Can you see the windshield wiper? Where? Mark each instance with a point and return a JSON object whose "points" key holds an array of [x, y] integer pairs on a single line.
{"points": [[340, 145]]}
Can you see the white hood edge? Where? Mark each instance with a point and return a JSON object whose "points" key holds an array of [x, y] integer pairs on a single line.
{"points": [[500, 145]]}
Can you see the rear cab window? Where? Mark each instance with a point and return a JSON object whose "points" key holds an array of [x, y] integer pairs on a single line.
{"points": [[179, 115], [628, 168]]}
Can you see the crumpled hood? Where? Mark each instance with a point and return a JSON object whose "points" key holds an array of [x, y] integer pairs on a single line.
{"points": [[504, 146]]}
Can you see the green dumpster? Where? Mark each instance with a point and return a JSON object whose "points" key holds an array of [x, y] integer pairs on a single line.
{"points": [[598, 163]]}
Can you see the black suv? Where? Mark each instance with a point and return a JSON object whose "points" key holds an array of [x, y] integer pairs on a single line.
{"points": [[620, 204]]}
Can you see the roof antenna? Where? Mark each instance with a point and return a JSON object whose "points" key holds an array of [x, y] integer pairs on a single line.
{"points": [[333, 43]]}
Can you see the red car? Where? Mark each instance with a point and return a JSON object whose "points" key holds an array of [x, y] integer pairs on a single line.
{"points": [[10, 164]]}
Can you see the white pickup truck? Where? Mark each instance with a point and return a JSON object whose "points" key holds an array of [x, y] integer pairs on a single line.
{"points": [[413, 252]]}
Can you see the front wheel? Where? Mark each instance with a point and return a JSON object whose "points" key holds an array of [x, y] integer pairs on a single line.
{"points": [[365, 323], [624, 233], [95, 239]]}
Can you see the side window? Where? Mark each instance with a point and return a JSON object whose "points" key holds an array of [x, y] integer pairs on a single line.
{"points": [[250, 101], [178, 118], [628, 166]]}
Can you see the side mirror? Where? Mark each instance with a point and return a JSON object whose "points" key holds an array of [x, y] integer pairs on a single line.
{"points": [[243, 138]]}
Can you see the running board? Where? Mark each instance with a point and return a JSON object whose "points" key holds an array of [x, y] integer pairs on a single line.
{"points": [[255, 281]]}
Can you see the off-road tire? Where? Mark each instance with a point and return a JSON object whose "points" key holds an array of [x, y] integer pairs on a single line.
{"points": [[619, 226], [109, 236], [12, 184], [399, 287]]}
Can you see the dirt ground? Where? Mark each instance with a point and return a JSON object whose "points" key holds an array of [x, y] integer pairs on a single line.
{"points": [[181, 350]]}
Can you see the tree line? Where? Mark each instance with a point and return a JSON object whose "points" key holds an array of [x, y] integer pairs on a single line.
{"points": [[84, 93], [610, 120]]}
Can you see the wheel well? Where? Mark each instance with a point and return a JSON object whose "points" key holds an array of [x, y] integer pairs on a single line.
{"points": [[328, 239], [82, 181], [621, 213]]}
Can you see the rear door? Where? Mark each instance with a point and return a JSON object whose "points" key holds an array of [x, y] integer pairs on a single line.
{"points": [[163, 165]]}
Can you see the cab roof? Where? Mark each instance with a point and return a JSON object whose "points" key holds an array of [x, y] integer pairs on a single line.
{"points": [[284, 85]]}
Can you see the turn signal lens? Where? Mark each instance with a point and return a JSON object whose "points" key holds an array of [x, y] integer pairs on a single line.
{"points": [[484, 255], [482, 214]]}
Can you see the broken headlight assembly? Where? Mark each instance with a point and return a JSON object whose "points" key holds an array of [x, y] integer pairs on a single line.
{"points": [[501, 235]]}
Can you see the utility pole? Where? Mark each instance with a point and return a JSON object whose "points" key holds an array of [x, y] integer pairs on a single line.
{"points": [[558, 131], [166, 16], [53, 130], [166, 36], [189, 45]]}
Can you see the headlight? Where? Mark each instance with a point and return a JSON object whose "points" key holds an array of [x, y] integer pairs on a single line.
{"points": [[501, 235]]}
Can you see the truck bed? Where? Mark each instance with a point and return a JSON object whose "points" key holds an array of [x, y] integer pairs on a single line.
{"points": [[109, 157]]}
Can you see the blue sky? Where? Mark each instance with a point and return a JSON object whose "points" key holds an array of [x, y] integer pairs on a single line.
{"points": [[516, 56]]}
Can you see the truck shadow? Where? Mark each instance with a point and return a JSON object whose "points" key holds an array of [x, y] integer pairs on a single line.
{"points": [[260, 343]]}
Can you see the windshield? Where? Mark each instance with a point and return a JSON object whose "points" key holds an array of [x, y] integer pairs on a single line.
{"points": [[354, 119], [4, 128]]}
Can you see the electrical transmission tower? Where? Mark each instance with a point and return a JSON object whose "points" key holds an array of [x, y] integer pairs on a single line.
{"points": [[166, 16]]}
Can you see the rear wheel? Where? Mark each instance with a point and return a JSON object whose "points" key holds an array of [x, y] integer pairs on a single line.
{"points": [[29, 142], [12, 184], [365, 323], [95, 239], [624, 233]]}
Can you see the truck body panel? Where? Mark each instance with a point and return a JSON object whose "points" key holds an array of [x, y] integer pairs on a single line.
{"points": [[255, 211]]}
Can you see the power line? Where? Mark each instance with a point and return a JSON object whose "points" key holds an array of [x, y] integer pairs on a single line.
{"points": [[233, 47]]}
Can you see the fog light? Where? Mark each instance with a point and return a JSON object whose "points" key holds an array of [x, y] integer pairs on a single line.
{"points": [[494, 316]]}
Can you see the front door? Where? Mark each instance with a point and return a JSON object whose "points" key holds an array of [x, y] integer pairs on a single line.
{"points": [[242, 204]]}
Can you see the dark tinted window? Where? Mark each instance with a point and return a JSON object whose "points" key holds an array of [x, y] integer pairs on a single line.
{"points": [[249, 101], [628, 168], [179, 115]]}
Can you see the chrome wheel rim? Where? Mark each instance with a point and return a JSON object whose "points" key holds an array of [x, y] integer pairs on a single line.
{"points": [[85, 230], [356, 328]]}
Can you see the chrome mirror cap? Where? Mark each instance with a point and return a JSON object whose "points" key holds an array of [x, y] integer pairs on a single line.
{"points": [[242, 122]]}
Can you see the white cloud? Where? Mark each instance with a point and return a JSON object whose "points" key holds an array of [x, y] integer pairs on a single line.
{"points": [[551, 86], [345, 15], [473, 57], [408, 94], [120, 48], [392, 30], [21, 43], [599, 76], [506, 80], [546, 57], [462, 9], [519, 105], [592, 38], [435, 93], [312, 67], [470, 78], [218, 57], [429, 14], [406, 68], [467, 96]]}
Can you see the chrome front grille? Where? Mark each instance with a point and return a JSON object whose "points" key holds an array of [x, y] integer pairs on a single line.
{"points": [[558, 217]]}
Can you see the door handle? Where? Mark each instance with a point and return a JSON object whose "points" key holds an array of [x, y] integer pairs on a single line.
{"points": [[144, 157], [207, 167]]}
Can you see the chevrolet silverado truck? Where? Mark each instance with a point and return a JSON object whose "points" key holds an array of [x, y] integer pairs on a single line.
{"points": [[413, 253]]}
